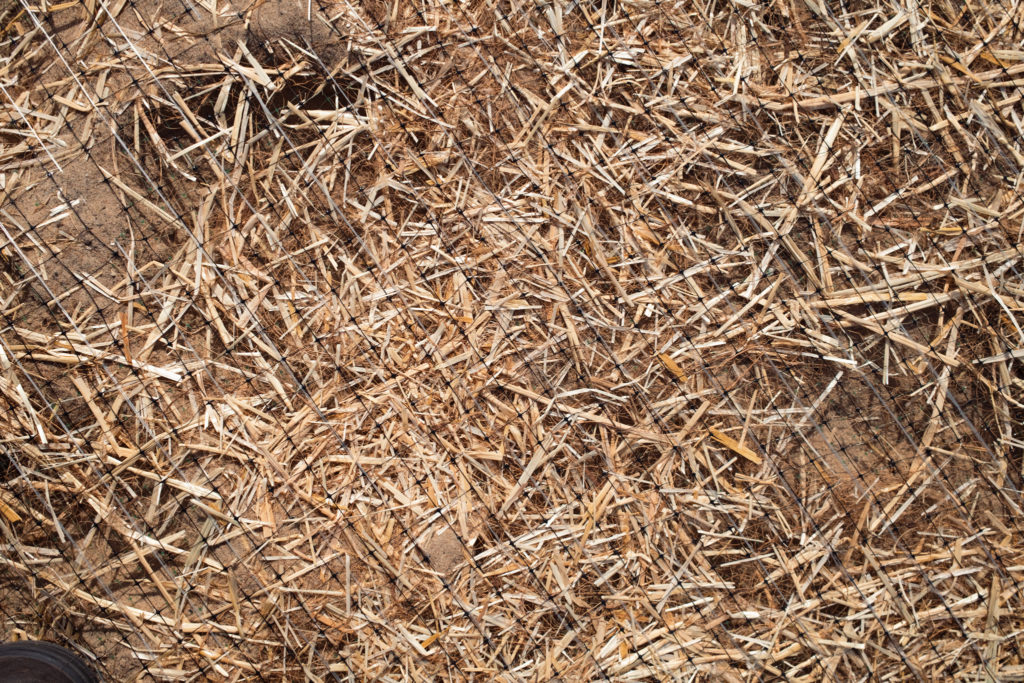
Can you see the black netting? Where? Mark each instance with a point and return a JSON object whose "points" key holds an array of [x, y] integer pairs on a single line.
{"points": [[513, 340]]}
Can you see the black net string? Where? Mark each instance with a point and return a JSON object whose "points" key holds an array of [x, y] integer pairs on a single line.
{"points": [[277, 214]]}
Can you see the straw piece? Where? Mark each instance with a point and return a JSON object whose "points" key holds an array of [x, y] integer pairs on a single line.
{"points": [[734, 446]]}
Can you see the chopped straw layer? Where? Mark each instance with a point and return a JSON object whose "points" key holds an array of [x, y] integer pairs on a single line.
{"points": [[495, 340]]}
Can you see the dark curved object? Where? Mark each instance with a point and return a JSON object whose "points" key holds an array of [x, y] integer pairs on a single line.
{"points": [[35, 661]]}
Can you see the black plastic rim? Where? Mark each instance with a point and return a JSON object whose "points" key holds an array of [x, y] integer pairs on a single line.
{"points": [[34, 661]]}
